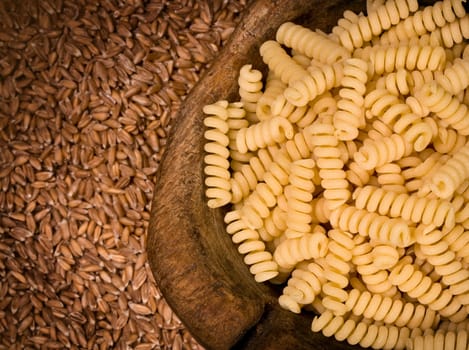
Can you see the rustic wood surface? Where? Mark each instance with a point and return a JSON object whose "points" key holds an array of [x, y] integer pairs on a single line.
{"points": [[192, 257]]}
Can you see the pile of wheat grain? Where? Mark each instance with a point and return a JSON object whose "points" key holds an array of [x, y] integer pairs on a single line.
{"points": [[88, 90]]}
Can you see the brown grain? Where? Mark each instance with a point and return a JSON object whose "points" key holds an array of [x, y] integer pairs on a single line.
{"points": [[88, 92]]}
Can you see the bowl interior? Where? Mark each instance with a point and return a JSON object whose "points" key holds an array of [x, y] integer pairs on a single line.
{"points": [[194, 261]]}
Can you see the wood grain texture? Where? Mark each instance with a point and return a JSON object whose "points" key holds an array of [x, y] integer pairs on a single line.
{"points": [[192, 257]]}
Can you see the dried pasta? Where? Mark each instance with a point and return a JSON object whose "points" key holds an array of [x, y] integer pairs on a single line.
{"points": [[347, 169], [409, 207], [250, 90], [359, 332], [311, 44], [216, 160]]}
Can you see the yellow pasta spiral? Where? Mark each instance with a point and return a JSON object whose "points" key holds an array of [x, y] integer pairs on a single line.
{"points": [[265, 133], [311, 44], [385, 150], [337, 270], [445, 106], [452, 33], [440, 340], [280, 62], [294, 250], [436, 251], [299, 196], [303, 286], [216, 161], [363, 333], [330, 164], [260, 261], [350, 114], [390, 311], [236, 121], [250, 88], [423, 21], [409, 279], [386, 15], [409, 207], [410, 57], [379, 228]]}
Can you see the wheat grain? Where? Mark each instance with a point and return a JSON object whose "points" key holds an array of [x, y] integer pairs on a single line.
{"points": [[88, 93]]}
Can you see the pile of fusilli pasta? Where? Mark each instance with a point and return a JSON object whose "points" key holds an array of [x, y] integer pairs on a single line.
{"points": [[347, 168]]}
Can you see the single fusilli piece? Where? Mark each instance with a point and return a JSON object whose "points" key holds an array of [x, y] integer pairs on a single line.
{"points": [[391, 311], [216, 161], [236, 121], [384, 150], [363, 333], [260, 261], [299, 196], [436, 251], [330, 164], [379, 228], [429, 19], [292, 251], [409, 207], [350, 114], [250, 90], [366, 27], [265, 133], [313, 45], [337, 270], [410, 57]]}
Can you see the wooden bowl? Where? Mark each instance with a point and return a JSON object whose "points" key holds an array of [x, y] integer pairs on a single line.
{"points": [[196, 266]]}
